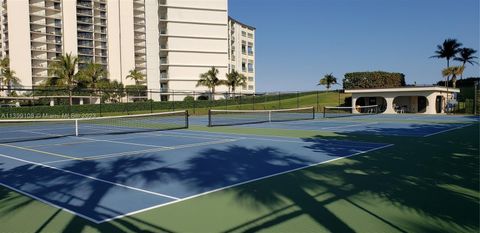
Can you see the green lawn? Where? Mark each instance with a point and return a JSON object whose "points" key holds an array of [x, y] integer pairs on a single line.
{"points": [[418, 185]]}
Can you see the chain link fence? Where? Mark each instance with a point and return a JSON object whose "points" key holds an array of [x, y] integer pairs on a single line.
{"points": [[46, 102]]}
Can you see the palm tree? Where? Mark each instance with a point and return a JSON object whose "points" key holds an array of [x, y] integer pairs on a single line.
{"points": [[64, 72], [328, 80], [92, 74], [447, 50], [466, 56], [210, 80], [235, 79], [4, 64], [9, 79], [136, 76], [454, 72]]}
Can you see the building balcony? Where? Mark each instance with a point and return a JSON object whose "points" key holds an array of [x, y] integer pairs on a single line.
{"points": [[84, 4], [163, 76]]}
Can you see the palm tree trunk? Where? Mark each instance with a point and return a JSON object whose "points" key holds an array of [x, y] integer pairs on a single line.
{"points": [[212, 94], [70, 96]]}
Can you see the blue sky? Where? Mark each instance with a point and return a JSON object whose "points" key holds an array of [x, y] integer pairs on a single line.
{"points": [[299, 41]]}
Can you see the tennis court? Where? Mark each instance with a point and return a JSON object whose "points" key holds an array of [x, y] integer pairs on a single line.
{"points": [[103, 176], [306, 119], [102, 169]]}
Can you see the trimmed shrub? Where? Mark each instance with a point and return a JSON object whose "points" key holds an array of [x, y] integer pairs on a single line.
{"points": [[376, 79]]}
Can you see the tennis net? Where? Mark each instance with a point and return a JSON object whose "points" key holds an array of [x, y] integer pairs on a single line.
{"points": [[240, 117], [37, 129], [333, 112]]}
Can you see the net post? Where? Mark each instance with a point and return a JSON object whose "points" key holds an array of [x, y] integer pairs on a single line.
{"points": [[186, 120], [209, 117], [313, 113], [324, 112], [76, 127], [269, 116]]}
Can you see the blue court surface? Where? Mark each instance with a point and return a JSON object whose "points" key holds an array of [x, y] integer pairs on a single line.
{"points": [[415, 128], [103, 177]]}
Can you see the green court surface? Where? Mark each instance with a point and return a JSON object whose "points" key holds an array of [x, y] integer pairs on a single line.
{"points": [[420, 184]]}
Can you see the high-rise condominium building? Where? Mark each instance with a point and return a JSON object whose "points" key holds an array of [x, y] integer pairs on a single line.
{"points": [[242, 52], [170, 41]]}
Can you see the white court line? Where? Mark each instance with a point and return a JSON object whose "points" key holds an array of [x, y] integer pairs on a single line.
{"points": [[349, 126], [50, 203], [447, 130], [58, 144], [41, 152], [266, 138], [125, 143], [112, 155], [245, 182], [164, 149], [90, 177]]}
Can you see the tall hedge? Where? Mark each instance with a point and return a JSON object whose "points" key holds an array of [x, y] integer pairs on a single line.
{"points": [[376, 79]]}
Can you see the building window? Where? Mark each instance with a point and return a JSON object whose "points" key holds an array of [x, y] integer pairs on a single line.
{"points": [[250, 79], [244, 66], [250, 50], [244, 34], [250, 87], [250, 35], [250, 67]]}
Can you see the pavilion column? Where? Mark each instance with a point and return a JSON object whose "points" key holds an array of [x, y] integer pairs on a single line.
{"points": [[354, 100], [432, 104], [390, 109]]}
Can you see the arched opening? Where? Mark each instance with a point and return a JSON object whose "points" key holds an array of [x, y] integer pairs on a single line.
{"points": [[380, 102], [439, 101], [410, 104]]}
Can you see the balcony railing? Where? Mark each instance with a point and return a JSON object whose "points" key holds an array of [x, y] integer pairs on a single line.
{"points": [[164, 76], [84, 4], [163, 60]]}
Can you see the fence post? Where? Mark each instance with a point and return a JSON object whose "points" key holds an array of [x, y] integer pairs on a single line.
{"points": [[173, 99], [240, 103], [226, 100], [317, 103], [475, 98], [279, 101], [298, 99], [70, 103], [253, 101], [265, 101], [194, 102]]}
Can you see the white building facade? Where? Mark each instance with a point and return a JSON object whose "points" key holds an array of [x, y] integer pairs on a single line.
{"points": [[170, 41], [242, 52]]}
